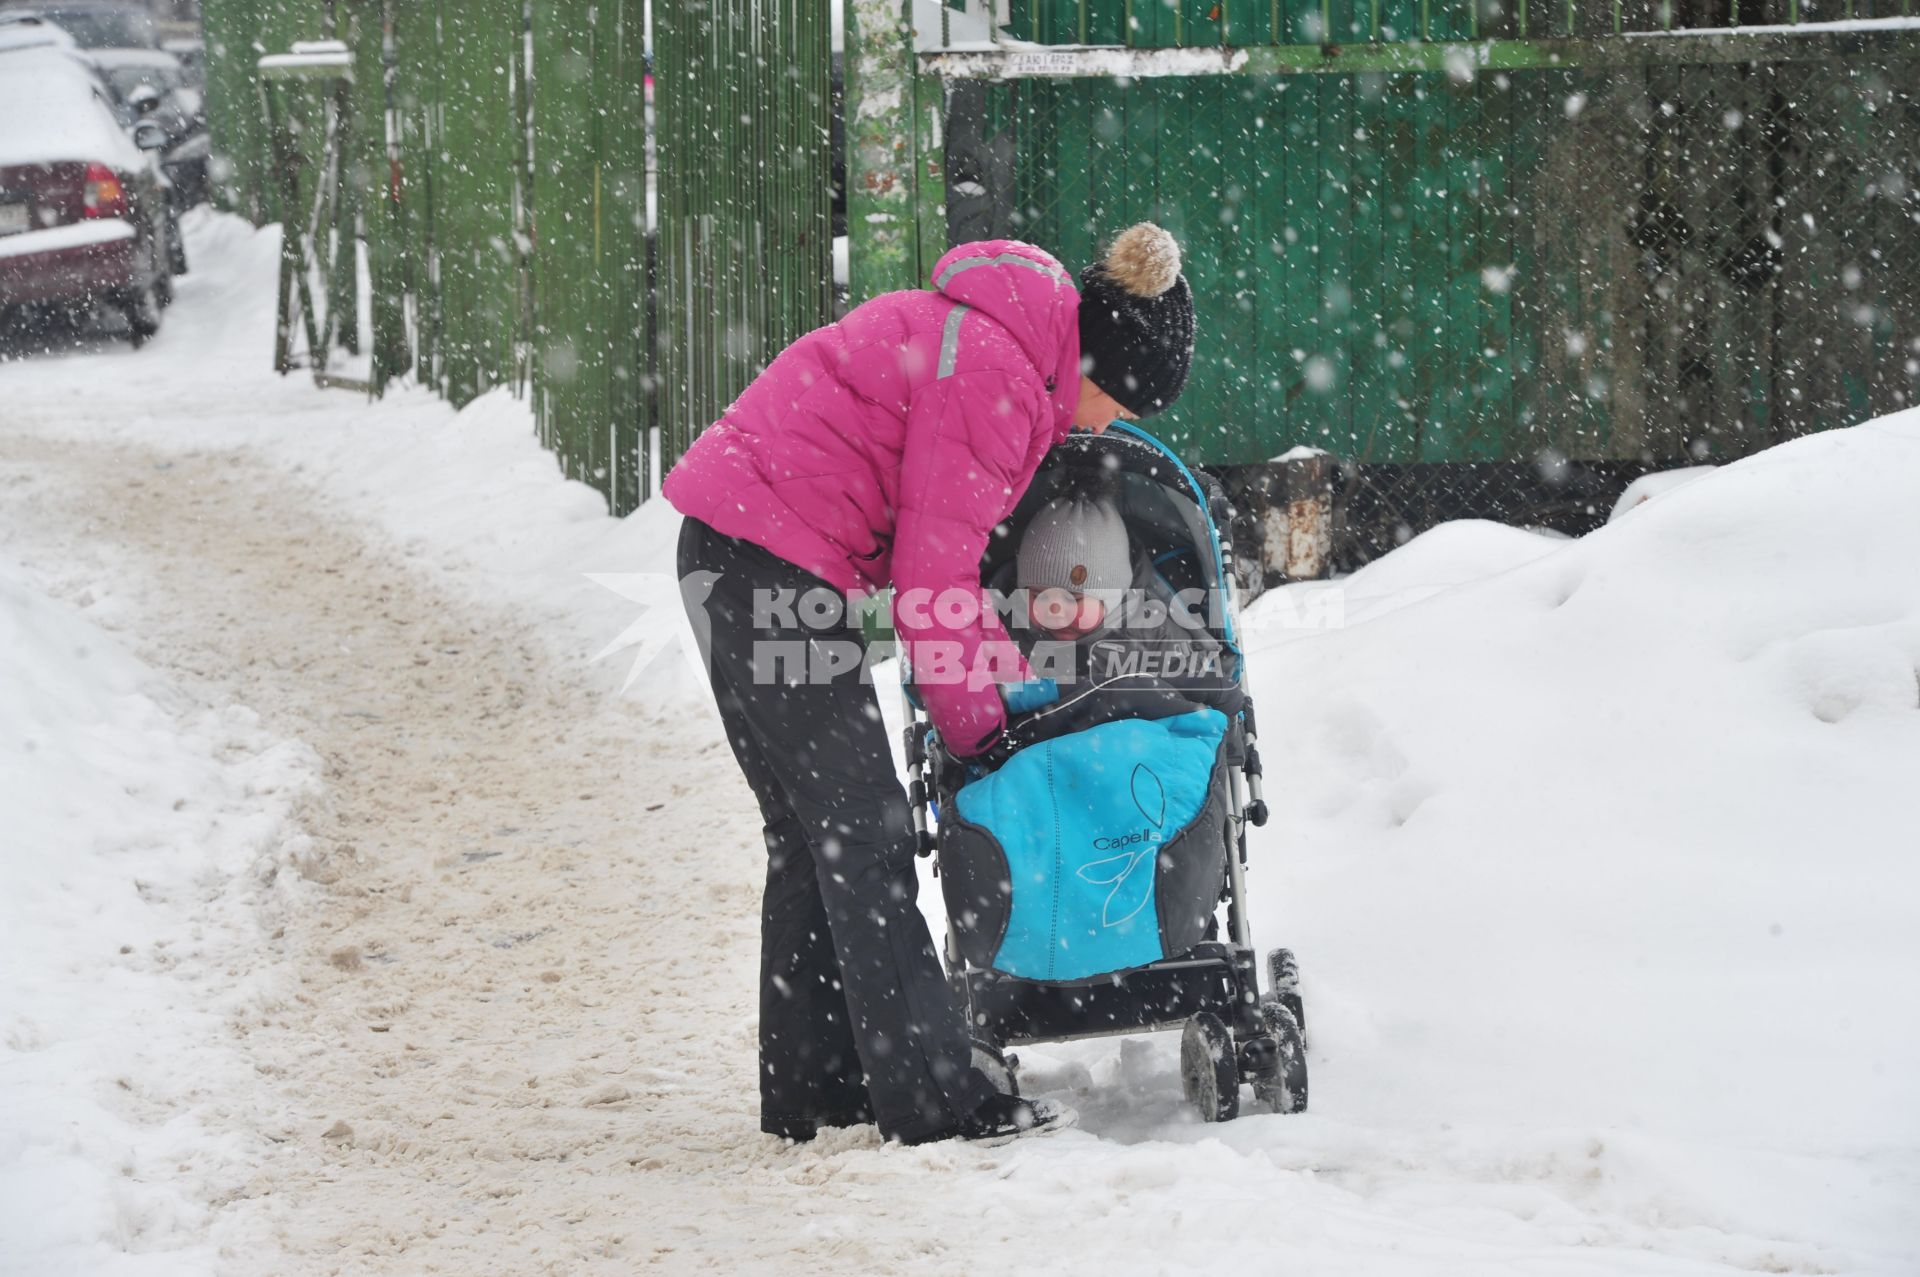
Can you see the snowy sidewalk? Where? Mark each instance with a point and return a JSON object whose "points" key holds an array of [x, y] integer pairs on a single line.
{"points": [[500, 1015]]}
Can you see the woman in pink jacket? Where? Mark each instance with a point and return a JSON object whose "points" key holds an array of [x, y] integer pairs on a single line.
{"points": [[882, 450]]}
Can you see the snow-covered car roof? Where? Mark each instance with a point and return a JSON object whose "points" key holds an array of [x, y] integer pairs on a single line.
{"points": [[54, 108], [24, 29]]}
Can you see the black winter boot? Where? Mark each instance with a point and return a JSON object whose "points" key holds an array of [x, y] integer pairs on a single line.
{"points": [[1002, 1118], [801, 1130]]}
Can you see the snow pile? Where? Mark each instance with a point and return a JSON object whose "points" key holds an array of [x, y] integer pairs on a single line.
{"points": [[1649, 486], [1618, 838], [1450, 555], [128, 927], [486, 459]]}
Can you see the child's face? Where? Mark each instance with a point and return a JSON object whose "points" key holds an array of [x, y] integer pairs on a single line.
{"points": [[1065, 614]]}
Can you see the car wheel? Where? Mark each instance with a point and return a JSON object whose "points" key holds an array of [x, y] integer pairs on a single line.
{"points": [[142, 307], [176, 252]]}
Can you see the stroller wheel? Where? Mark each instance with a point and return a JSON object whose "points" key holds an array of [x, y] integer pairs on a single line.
{"points": [[998, 1067], [1209, 1073], [1285, 1089]]}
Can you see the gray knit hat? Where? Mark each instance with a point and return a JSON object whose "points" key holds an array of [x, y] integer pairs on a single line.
{"points": [[1077, 543]]}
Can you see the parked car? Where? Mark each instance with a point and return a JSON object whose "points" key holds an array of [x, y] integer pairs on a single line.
{"points": [[153, 85], [101, 24], [192, 52], [129, 70], [85, 218]]}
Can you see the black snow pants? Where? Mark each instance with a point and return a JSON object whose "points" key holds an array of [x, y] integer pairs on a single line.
{"points": [[850, 984]]}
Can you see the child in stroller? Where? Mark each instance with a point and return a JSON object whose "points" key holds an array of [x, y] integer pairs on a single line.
{"points": [[1121, 633], [1083, 863]]}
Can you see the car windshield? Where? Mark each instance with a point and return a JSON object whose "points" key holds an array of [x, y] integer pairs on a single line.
{"points": [[106, 28]]}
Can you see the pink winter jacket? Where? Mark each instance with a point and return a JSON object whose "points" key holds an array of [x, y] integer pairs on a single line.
{"points": [[884, 448]]}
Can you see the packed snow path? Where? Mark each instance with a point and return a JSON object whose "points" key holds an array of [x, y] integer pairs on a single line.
{"points": [[511, 1027], [520, 1033], [521, 1036], [474, 1003]]}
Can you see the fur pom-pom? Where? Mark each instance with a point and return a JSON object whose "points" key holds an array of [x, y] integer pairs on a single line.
{"points": [[1144, 260]]}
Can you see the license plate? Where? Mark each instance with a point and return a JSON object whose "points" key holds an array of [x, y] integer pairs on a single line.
{"points": [[13, 218]]}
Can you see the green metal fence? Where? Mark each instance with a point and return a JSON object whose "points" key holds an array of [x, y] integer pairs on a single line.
{"points": [[501, 174], [438, 169], [1419, 231], [744, 247], [1479, 232], [589, 237]]}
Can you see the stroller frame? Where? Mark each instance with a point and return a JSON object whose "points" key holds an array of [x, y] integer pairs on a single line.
{"points": [[1233, 1033]]}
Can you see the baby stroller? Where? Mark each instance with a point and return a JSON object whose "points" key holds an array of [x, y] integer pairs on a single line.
{"points": [[1083, 876]]}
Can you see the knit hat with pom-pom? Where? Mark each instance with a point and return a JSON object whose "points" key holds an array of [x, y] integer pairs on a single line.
{"points": [[1136, 321]]}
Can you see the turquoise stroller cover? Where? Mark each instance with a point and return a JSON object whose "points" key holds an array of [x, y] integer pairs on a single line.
{"points": [[1091, 853]]}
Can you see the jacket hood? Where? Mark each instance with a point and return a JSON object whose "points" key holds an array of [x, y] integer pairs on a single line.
{"points": [[1030, 294]]}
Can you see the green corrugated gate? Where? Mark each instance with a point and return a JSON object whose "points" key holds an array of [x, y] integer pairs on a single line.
{"points": [[1530, 236]]}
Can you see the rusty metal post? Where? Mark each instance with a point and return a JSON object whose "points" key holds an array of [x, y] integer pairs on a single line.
{"points": [[1305, 547], [1283, 519]]}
